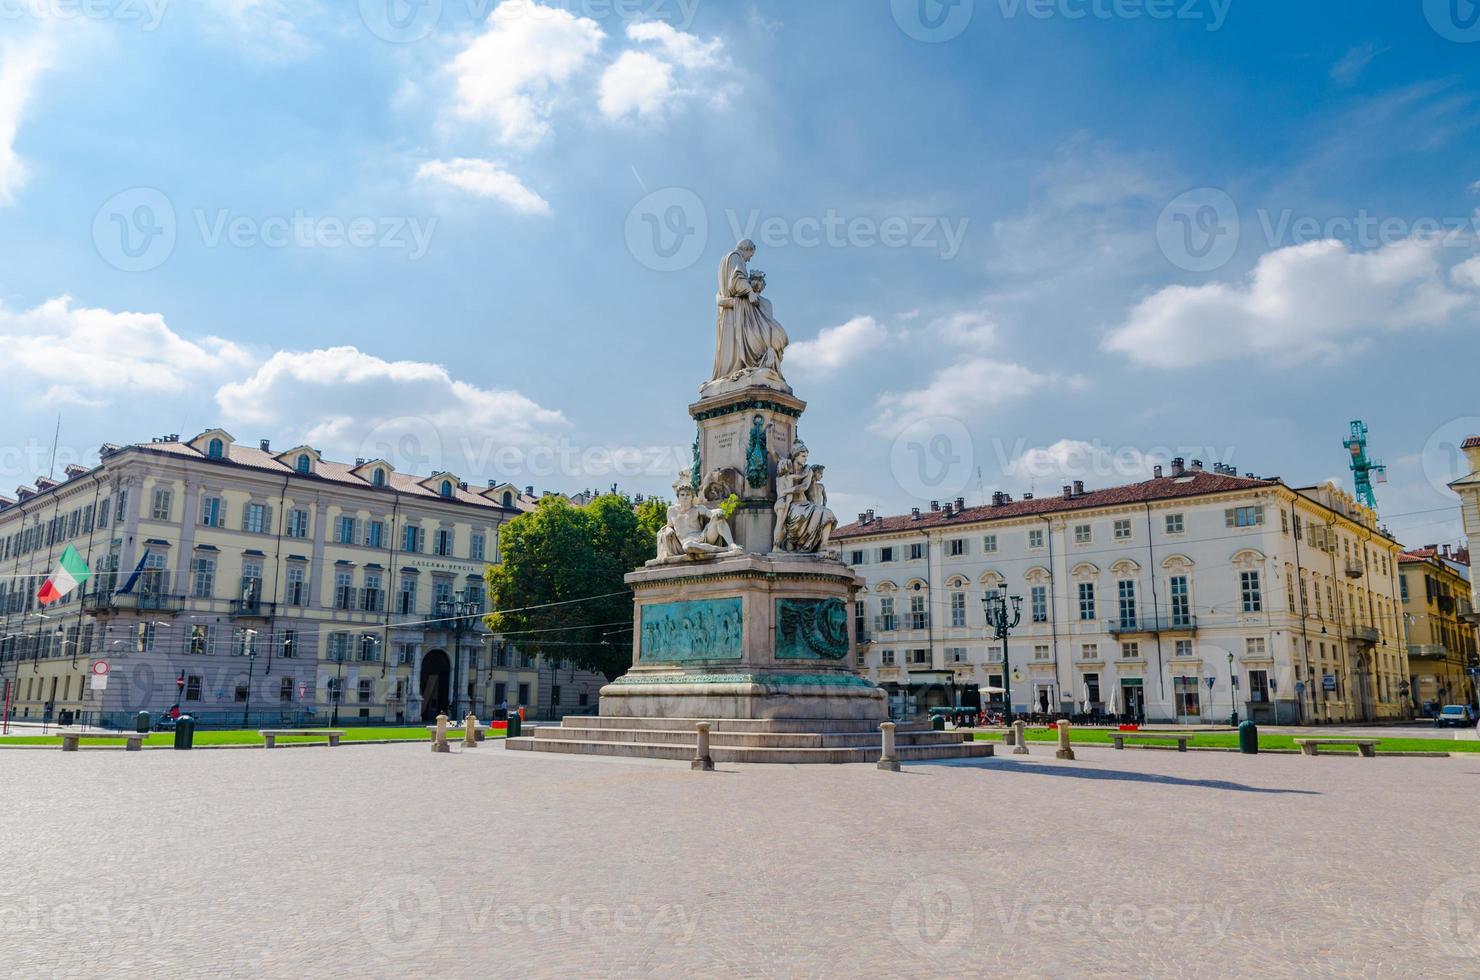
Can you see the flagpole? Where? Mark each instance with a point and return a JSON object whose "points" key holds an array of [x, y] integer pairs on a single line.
{"points": [[51, 468]]}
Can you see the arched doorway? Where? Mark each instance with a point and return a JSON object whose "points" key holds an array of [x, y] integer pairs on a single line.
{"points": [[436, 684]]}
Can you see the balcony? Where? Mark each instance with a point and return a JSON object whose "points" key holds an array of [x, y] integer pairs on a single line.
{"points": [[103, 602], [1151, 625], [862, 636], [1427, 651], [1363, 634], [1354, 568], [252, 609], [886, 624]]}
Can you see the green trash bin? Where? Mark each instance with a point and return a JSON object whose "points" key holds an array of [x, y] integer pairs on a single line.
{"points": [[185, 732], [938, 722], [142, 721], [1248, 738], [515, 725]]}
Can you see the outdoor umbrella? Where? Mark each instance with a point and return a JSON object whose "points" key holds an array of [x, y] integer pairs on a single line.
{"points": [[1114, 704]]}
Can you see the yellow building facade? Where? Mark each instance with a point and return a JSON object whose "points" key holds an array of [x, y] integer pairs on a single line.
{"points": [[1437, 615]]}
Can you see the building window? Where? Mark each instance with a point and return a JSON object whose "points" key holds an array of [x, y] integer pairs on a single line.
{"points": [[204, 573], [1254, 647], [475, 548], [339, 646], [375, 534], [411, 539], [344, 590], [956, 655], [255, 519], [855, 558], [1175, 524], [956, 547], [958, 609], [919, 617], [1038, 602], [297, 523], [1181, 602], [202, 640], [886, 614], [1083, 534], [285, 690], [989, 543], [1249, 590], [369, 648], [215, 449], [1035, 538], [1258, 686], [1086, 601], [1182, 648], [442, 542], [303, 463], [886, 555], [886, 657], [377, 478], [159, 509], [344, 530], [1126, 591], [406, 601], [1244, 516], [372, 599], [1187, 696], [920, 657], [192, 687], [1123, 530], [1130, 650], [290, 644], [295, 594], [251, 587], [367, 690], [1089, 651], [917, 551], [241, 692], [212, 512], [446, 489], [1040, 652]]}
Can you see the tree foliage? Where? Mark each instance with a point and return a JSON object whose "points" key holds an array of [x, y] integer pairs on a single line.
{"points": [[559, 553]]}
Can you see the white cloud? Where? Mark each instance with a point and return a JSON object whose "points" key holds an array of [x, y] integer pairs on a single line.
{"points": [[21, 62], [484, 178], [1354, 62], [967, 329], [836, 347], [349, 403], [266, 29], [645, 81], [90, 355], [512, 73], [1308, 301], [961, 391], [1074, 459]]}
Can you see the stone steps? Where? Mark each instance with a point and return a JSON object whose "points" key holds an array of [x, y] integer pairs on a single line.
{"points": [[680, 752], [746, 739], [717, 725]]}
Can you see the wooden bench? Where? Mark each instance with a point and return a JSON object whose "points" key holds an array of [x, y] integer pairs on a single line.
{"points": [[271, 735], [1366, 747], [134, 741], [1181, 738]]}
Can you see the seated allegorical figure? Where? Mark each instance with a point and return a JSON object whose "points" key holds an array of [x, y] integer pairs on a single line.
{"points": [[803, 521], [693, 531]]}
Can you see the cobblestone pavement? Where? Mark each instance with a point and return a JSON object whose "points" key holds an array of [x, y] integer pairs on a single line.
{"points": [[377, 861]]}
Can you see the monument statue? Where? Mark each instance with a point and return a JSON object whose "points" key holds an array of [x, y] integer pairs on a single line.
{"points": [[693, 532], [749, 342], [803, 522]]}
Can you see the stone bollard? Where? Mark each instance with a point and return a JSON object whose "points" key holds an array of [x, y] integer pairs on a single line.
{"points": [[439, 738], [1065, 751], [889, 758], [702, 761], [1020, 738], [470, 731]]}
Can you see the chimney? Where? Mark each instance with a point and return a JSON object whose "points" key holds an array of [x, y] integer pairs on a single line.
{"points": [[914, 513], [935, 505], [960, 504], [1079, 488], [1197, 466], [1027, 496], [492, 484], [871, 515], [529, 491], [1446, 551], [1156, 472], [1178, 464], [265, 445], [1068, 491], [359, 460], [863, 517], [1471, 447]]}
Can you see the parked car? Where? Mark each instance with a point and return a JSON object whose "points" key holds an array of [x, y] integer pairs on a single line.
{"points": [[1455, 716]]}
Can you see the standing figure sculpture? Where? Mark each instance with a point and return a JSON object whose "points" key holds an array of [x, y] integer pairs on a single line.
{"points": [[803, 522], [748, 341], [693, 531]]}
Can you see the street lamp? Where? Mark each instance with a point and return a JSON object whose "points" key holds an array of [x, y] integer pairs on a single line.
{"points": [[1274, 693], [1002, 620], [459, 611], [1232, 690]]}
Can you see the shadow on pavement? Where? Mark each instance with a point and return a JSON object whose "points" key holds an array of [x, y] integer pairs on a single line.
{"points": [[1077, 772]]}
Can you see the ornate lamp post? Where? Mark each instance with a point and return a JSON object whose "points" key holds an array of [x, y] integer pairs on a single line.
{"points": [[1232, 693], [1002, 620]]}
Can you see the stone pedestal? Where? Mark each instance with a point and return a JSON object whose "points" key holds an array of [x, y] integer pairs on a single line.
{"points": [[743, 433], [748, 636]]}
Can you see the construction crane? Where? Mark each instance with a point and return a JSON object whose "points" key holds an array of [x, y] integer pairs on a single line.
{"points": [[1364, 472]]}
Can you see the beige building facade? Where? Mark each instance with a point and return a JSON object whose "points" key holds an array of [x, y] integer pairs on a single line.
{"points": [[1440, 626]]}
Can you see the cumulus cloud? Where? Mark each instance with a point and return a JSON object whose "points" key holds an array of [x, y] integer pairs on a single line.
{"points": [[484, 178], [836, 347], [21, 62], [961, 391], [91, 355], [1075, 459], [513, 73], [967, 329], [665, 68], [1300, 303], [349, 403]]}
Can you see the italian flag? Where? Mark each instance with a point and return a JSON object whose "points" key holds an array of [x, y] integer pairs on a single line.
{"points": [[71, 572]]}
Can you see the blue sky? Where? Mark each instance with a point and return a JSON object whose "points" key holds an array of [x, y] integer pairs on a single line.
{"points": [[1015, 242]]}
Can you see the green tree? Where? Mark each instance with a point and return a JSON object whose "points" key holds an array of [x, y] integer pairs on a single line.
{"points": [[569, 555]]}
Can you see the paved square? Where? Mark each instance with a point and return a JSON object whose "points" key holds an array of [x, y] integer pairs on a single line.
{"points": [[389, 860]]}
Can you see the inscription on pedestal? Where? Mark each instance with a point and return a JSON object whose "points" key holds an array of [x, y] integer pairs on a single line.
{"points": [[811, 629], [696, 631]]}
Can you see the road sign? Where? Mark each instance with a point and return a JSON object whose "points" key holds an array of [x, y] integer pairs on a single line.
{"points": [[1300, 687], [303, 691], [99, 682], [1328, 682], [100, 668]]}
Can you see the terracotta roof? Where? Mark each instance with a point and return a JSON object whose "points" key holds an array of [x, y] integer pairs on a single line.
{"points": [[253, 458], [1473, 442], [1190, 484], [1418, 555]]}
